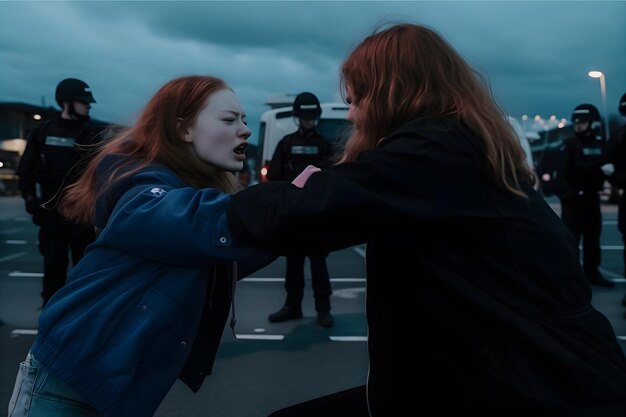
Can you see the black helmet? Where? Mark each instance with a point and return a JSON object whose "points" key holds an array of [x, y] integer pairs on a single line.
{"points": [[72, 90], [307, 106], [622, 105], [585, 113]]}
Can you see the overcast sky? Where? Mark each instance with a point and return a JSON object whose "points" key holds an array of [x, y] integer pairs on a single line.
{"points": [[536, 54]]}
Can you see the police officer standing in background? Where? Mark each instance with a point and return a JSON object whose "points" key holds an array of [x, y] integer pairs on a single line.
{"points": [[617, 157], [54, 157], [293, 154], [580, 211]]}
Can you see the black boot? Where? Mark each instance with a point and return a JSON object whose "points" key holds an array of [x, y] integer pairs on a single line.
{"points": [[285, 313], [596, 278], [325, 319]]}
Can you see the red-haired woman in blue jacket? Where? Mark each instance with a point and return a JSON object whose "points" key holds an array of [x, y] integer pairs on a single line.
{"points": [[149, 301]]}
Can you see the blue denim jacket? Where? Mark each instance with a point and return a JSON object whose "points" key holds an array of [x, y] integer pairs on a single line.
{"points": [[152, 293]]}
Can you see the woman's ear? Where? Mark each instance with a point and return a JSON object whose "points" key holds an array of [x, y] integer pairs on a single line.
{"points": [[185, 132]]}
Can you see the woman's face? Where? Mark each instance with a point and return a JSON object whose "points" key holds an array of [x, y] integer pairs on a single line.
{"points": [[220, 132]]}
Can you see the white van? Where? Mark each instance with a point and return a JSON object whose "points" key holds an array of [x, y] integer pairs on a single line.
{"points": [[277, 123]]}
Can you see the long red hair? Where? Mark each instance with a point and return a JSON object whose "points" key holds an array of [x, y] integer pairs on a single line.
{"points": [[157, 137], [409, 71]]}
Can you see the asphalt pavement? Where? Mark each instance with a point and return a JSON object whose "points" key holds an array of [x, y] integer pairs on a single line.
{"points": [[269, 366]]}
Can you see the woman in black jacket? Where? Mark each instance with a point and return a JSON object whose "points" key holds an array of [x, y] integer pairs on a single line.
{"points": [[460, 247]]}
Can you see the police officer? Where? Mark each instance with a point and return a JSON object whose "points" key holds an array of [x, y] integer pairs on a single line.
{"points": [[580, 211], [617, 157], [55, 154], [293, 154]]}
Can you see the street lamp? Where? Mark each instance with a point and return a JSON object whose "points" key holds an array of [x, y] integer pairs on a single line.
{"points": [[600, 75]]}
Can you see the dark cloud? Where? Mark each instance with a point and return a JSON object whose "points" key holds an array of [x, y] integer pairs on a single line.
{"points": [[536, 55]]}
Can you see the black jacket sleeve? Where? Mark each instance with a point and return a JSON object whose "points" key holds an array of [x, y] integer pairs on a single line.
{"points": [[328, 214], [376, 196], [617, 156]]}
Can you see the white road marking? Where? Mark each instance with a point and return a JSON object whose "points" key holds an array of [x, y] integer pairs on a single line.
{"points": [[281, 337], [15, 242], [252, 279], [9, 257], [614, 277], [348, 338], [347, 280], [621, 337], [349, 293], [360, 251], [25, 274], [22, 332], [261, 336]]}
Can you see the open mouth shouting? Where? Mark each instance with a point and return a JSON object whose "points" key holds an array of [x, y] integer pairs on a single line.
{"points": [[240, 151]]}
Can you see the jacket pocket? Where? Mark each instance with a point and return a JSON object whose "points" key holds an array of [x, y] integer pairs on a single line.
{"points": [[20, 401]]}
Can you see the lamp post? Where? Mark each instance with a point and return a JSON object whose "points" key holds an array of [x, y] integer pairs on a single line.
{"points": [[600, 75]]}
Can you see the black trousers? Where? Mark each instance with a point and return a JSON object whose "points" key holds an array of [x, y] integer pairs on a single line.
{"points": [[294, 281], [621, 224], [353, 403], [58, 238], [582, 215], [348, 403]]}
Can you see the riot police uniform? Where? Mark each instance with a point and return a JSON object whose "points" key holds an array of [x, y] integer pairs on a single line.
{"points": [[293, 154], [55, 155], [580, 211], [617, 156]]}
